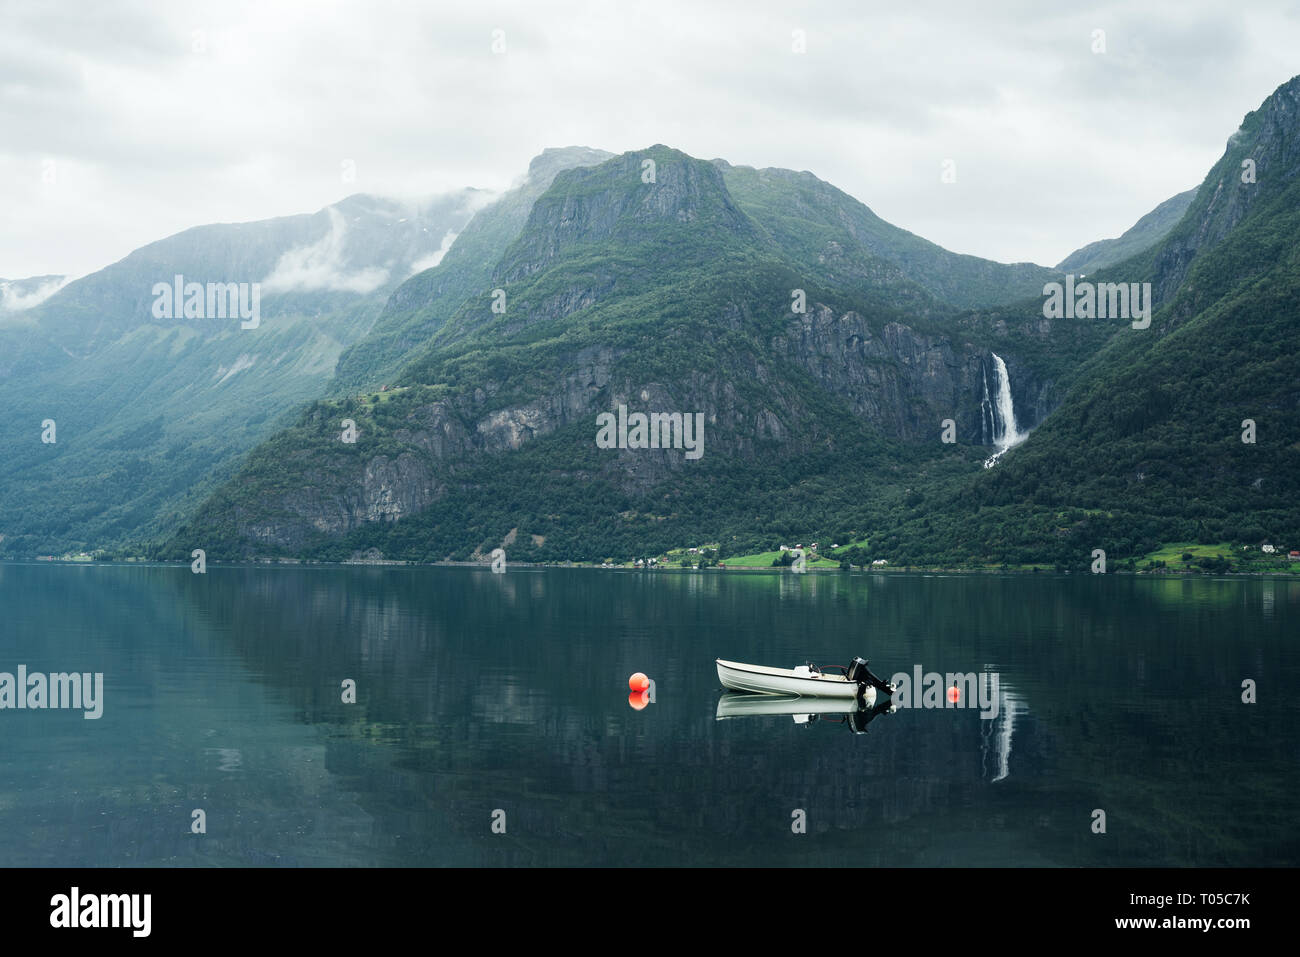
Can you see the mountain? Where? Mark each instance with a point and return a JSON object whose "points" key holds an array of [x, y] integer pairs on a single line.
{"points": [[1148, 448], [1141, 236], [828, 227], [419, 306], [672, 292], [824, 361], [149, 411]]}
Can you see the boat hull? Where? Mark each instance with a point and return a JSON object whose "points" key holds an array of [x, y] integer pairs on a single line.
{"points": [[757, 679]]}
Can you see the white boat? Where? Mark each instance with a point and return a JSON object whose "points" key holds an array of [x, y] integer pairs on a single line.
{"points": [[805, 680]]}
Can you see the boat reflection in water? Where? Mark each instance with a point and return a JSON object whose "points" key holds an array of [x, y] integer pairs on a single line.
{"points": [[806, 711]]}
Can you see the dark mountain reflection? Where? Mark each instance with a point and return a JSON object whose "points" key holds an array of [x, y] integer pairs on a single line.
{"points": [[478, 692]]}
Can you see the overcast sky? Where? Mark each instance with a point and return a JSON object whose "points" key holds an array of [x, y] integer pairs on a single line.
{"points": [[121, 123]]}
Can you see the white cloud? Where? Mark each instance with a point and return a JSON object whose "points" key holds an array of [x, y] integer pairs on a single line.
{"points": [[1055, 146], [435, 257], [321, 266], [16, 298]]}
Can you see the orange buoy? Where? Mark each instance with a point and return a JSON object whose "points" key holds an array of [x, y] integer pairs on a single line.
{"points": [[638, 682], [638, 699]]}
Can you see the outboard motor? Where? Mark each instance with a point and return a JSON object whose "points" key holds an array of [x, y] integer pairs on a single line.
{"points": [[859, 672]]}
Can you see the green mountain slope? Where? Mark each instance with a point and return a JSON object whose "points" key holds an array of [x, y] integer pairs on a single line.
{"points": [[658, 296], [1148, 448]]}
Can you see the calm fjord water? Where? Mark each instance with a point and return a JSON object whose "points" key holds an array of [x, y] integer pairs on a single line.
{"points": [[478, 692]]}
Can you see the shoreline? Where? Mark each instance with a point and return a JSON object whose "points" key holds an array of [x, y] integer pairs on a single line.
{"points": [[737, 569]]}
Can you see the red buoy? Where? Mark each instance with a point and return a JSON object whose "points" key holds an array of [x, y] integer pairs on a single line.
{"points": [[638, 682]]}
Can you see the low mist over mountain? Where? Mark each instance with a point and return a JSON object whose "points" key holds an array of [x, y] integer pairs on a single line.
{"points": [[18, 295], [420, 305], [151, 400]]}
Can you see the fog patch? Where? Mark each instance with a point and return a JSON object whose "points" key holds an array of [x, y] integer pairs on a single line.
{"points": [[320, 266]]}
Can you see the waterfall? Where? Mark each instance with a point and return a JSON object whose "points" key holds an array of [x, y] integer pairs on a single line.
{"points": [[1008, 435], [999, 417], [986, 410]]}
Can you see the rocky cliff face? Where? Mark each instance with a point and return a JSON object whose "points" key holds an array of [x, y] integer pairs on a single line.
{"points": [[1261, 158], [902, 382], [896, 381]]}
